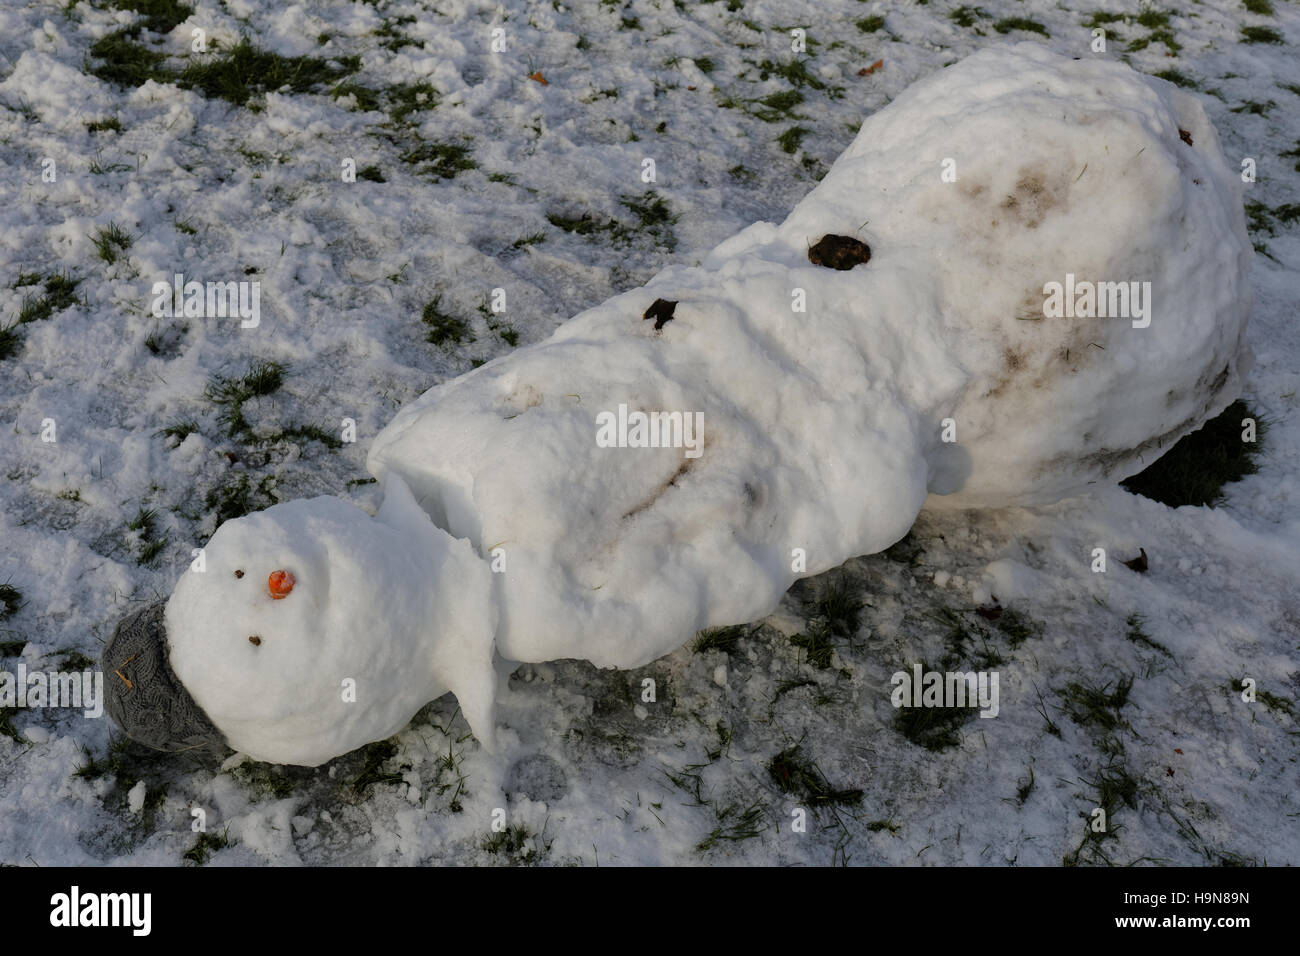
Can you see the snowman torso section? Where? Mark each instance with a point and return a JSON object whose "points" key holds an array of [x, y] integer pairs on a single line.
{"points": [[789, 448]]}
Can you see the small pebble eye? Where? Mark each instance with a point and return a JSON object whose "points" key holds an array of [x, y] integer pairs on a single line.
{"points": [[254, 640], [239, 573]]}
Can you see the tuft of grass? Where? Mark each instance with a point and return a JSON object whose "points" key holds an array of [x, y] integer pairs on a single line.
{"points": [[722, 639], [246, 70], [238, 497], [790, 140], [778, 105], [371, 174], [1137, 635], [816, 641], [1252, 34], [405, 99], [933, 728], [124, 62], [794, 72], [111, 241], [1254, 108], [705, 64], [966, 16], [1092, 705], [104, 125], [11, 599], [1026, 788], [9, 341], [1177, 78], [204, 847], [150, 544], [530, 240], [732, 824], [1261, 8], [1154, 19], [516, 841], [367, 100], [870, 24], [444, 328], [1195, 470], [793, 774], [1017, 626], [59, 294], [439, 160], [1007, 24], [262, 378]]}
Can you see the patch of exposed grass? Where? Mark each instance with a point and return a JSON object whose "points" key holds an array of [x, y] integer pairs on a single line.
{"points": [[406, 99], [105, 125], [246, 70], [816, 641], [778, 105], [443, 327], [229, 394], [239, 497], [515, 841], [1255, 108], [722, 639], [1195, 470], [111, 241], [371, 174], [9, 340], [790, 140], [366, 99], [439, 160], [529, 240], [1137, 635], [654, 216], [1007, 24], [1093, 705], [795, 775], [732, 824], [159, 16], [1261, 8], [933, 728], [124, 62], [966, 16], [204, 847], [1177, 78], [267, 780], [794, 72], [149, 542], [11, 599], [1253, 34], [59, 294], [1154, 19], [870, 24]]}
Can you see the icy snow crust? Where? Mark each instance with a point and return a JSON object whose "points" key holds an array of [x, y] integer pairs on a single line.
{"points": [[821, 429]]}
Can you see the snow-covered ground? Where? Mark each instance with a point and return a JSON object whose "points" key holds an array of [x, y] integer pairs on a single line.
{"points": [[492, 178]]}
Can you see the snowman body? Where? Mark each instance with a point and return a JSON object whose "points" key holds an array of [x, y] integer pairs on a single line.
{"points": [[827, 408]]}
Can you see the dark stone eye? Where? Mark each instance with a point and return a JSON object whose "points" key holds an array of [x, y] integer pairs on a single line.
{"points": [[239, 574], [254, 640], [839, 252], [661, 310]]}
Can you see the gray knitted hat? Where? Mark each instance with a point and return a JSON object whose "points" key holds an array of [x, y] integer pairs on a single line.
{"points": [[143, 694]]}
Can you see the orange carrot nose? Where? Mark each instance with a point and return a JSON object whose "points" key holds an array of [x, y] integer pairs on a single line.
{"points": [[279, 583]]}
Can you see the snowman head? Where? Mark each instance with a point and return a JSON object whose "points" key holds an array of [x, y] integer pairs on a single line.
{"points": [[303, 632]]}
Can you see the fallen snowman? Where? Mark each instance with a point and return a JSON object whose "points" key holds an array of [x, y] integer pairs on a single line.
{"points": [[1027, 274]]}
